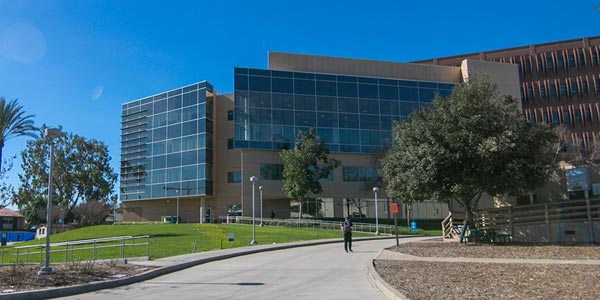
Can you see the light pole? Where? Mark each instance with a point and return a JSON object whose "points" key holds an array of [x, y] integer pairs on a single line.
{"points": [[376, 190], [46, 269], [260, 188], [177, 193], [253, 242]]}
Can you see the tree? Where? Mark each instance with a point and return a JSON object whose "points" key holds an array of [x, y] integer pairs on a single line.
{"points": [[474, 142], [305, 165], [92, 212], [81, 173], [7, 191], [14, 122]]}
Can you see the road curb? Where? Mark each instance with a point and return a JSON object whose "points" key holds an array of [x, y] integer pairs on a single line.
{"points": [[96, 286], [386, 289]]}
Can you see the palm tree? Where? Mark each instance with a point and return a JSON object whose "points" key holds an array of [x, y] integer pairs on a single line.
{"points": [[14, 122]]}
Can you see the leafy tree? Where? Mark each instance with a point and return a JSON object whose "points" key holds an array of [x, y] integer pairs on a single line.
{"points": [[14, 122], [474, 142], [305, 165], [7, 191], [81, 172]]}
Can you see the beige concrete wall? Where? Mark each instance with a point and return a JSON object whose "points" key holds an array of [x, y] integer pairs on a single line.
{"points": [[506, 76], [360, 67], [226, 160]]}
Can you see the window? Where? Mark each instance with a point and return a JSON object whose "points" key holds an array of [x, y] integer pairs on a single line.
{"points": [[563, 89], [549, 63], [271, 171], [360, 174], [571, 59], [560, 61], [552, 89], [234, 177], [566, 117], [229, 144], [543, 91], [555, 119], [574, 88], [577, 113], [230, 115]]}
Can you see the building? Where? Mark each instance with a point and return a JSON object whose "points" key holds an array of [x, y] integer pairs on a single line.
{"points": [[189, 152], [560, 86], [11, 220]]}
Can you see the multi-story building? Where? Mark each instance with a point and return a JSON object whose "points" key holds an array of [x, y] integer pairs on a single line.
{"points": [[189, 152], [560, 86]]}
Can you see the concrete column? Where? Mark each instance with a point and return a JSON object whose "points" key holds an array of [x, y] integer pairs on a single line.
{"points": [[202, 209]]}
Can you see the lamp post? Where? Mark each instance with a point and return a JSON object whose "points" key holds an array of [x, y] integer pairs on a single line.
{"points": [[177, 193], [46, 269], [376, 190], [260, 188], [253, 242]]}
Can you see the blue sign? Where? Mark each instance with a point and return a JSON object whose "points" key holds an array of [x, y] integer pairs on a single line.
{"points": [[413, 226]]}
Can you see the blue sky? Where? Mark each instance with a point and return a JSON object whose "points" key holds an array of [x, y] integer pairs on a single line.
{"points": [[73, 63]]}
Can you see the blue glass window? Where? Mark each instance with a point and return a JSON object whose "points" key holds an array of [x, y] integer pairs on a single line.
{"points": [[160, 106], [566, 117], [326, 104], [349, 136], [327, 119], [283, 117], [426, 95], [282, 101], [368, 91], [283, 85], [389, 108], [347, 90], [305, 118], [348, 120], [190, 99], [348, 105], [326, 88], [555, 119], [328, 135], [409, 94], [260, 100], [260, 84], [234, 177], [406, 108], [369, 122], [271, 171], [306, 87], [388, 92], [368, 106], [305, 102]]}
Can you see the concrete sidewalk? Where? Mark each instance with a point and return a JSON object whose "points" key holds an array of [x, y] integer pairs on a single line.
{"points": [[168, 265]]}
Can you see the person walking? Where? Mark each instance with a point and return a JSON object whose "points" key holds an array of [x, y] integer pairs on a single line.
{"points": [[347, 231]]}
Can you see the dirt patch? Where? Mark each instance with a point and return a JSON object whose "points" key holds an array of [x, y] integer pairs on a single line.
{"points": [[443, 280], [16, 278]]}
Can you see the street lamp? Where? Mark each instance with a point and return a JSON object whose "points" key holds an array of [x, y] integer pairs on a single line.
{"points": [[253, 242], [376, 190], [46, 269], [260, 188], [177, 193]]}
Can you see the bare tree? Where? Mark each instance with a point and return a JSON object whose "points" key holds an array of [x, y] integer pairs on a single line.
{"points": [[92, 212]]}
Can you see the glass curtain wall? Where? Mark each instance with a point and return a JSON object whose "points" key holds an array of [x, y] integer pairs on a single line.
{"points": [[166, 144]]}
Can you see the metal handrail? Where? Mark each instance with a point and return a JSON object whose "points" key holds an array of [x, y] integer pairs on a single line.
{"points": [[23, 253], [330, 225]]}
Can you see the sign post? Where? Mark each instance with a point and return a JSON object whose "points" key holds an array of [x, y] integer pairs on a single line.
{"points": [[394, 210]]}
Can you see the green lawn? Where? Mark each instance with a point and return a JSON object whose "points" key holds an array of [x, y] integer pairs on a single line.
{"points": [[166, 240]]}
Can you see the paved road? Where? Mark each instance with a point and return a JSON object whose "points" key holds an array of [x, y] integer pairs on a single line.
{"points": [[317, 272]]}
